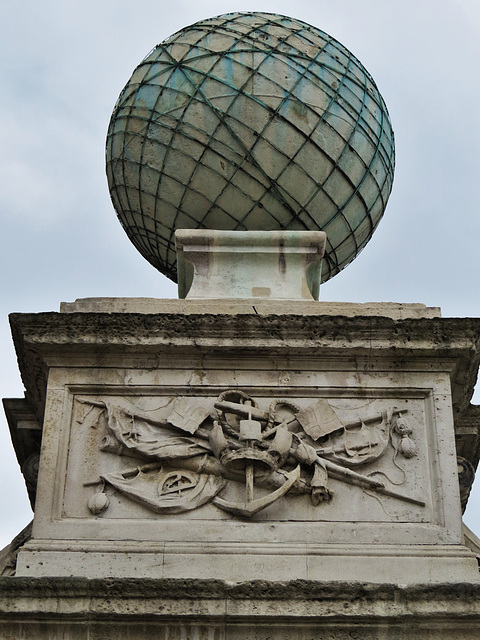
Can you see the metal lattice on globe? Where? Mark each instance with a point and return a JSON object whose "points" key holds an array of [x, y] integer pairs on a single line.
{"points": [[250, 121]]}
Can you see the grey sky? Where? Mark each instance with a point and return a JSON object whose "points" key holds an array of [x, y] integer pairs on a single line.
{"points": [[63, 64]]}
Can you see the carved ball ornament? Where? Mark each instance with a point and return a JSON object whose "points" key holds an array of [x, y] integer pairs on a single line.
{"points": [[250, 121]]}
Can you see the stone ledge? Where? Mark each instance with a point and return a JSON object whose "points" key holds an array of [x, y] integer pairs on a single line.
{"points": [[407, 336], [460, 597], [394, 310], [205, 334], [82, 609]]}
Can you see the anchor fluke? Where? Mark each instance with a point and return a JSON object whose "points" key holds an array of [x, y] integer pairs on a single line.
{"points": [[254, 506]]}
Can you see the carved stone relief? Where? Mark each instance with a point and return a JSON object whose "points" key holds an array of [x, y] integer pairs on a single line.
{"points": [[466, 476], [242, 455]]}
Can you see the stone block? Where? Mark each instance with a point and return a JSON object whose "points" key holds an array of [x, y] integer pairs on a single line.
{"points": [[350, 473]]}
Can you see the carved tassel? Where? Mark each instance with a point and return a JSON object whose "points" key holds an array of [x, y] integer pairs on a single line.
{"points": [[99, 502], [320, 491], [407, 446]]}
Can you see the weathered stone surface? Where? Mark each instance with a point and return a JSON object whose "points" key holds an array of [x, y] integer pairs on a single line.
{"points": [[393, 310], [71, 608], [471, 541], [8, 555], [359, 337], [26, 433], [277, 265], [92, 369]]}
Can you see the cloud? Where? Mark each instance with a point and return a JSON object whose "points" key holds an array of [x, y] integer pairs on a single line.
{"points": [[63, 66]]}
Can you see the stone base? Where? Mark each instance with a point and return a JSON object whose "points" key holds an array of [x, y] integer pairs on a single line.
{"points": [[234, 563], [277, 265], [111, 386], [81, 609]]}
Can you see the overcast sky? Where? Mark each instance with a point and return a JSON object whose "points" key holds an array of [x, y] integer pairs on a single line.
{"points": [[63, 64]]}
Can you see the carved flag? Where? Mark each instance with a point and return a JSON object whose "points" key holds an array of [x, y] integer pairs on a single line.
{"points": [[187, 415], [167, 491], [319, 420]]}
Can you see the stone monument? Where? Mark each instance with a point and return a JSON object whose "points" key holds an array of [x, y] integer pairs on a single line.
{"points": [[246, 461]]}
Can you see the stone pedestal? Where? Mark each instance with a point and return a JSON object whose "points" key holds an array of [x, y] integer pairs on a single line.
{"points": [[231, 469], [278, 265], [133, 483]]}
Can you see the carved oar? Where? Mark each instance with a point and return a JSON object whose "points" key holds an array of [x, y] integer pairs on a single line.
{"points": [[209, 464], [259, 414], [352, 477], [306, 453]]}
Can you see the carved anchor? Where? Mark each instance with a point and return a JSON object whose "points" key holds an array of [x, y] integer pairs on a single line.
{"points": [[246, 457], [252, 506]]}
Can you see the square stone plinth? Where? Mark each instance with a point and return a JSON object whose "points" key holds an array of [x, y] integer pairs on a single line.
{"points": [[223, 442]]}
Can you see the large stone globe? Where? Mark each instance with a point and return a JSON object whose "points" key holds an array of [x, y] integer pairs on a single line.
{"points": [[250, 121]]}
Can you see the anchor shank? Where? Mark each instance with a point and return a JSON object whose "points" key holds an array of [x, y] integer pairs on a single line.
{"points": [[249, 471]]}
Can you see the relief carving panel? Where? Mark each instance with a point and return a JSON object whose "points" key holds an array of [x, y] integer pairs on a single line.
{"points": [[244, 455]]}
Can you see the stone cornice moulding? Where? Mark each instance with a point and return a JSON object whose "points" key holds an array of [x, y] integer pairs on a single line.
{"points": [[46, 339]]}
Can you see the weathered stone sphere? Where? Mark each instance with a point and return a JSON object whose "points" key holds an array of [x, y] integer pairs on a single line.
{"points": [[250, 121]]}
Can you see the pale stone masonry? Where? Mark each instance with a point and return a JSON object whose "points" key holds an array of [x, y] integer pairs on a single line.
{"points": [[130, 534], [81, 609]]}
